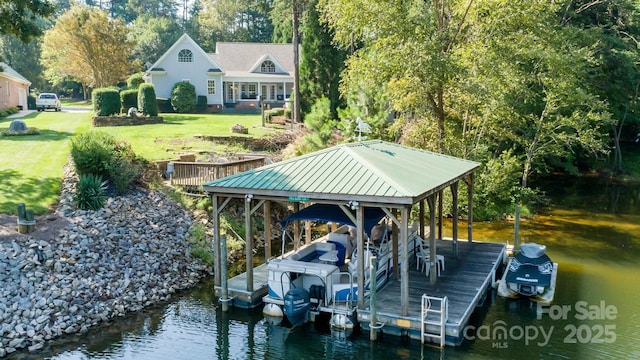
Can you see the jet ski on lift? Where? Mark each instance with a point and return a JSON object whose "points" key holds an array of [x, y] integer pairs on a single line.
{"points": [[530, 273]]}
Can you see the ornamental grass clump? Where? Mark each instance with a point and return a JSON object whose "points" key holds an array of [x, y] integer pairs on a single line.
{"points": [[90, 192]]}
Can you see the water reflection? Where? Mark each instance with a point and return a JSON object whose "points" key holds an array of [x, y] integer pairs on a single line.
{"points": [[592, 231]]}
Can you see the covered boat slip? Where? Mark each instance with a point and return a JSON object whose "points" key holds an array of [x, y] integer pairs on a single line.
{"points": [[465, 282], [355, 177]]}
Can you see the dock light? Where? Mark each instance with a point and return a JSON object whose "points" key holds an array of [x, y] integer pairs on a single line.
{"points": [[248, 197], [353, 204]]}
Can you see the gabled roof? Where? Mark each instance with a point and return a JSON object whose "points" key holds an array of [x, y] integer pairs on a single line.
{"points": [[236, 57], [184, 38], [370, 171], [10, 73]]}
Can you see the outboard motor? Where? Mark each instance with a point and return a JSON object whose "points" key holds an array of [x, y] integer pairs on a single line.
{"points": [[297, 305]]}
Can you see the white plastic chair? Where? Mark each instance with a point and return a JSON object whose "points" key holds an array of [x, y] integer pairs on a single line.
{"points": [[423, 256]]}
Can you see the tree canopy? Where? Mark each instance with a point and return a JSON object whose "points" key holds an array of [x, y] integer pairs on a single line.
{"points": [[87, 45], [20, 17]]}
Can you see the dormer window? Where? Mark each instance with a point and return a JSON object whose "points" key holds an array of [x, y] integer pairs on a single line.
{"points": [[185, 55], [268, 67]]}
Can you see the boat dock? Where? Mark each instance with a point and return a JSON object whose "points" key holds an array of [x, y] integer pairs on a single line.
{"points": [[465, 282], [240, 296]]}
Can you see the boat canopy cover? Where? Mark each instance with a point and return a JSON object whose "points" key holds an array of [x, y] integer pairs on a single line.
{"points": [[333, 213]]}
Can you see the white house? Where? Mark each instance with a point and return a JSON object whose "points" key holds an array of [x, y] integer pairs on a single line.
{"points": [[14, 88], [236, 75]]}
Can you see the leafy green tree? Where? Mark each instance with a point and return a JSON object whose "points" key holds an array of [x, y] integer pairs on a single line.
{"points": [[233, 20], [322, 63], [20, 17], [152, 37], [23, 57], [612, 29], [89, 46], [154, 9]]}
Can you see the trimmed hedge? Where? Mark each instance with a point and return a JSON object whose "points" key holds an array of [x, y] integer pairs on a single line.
{"points": [[183, 97], [201, 104], [147, 102], [268, 114], [134, 81], [128, 99], [106, 101]]}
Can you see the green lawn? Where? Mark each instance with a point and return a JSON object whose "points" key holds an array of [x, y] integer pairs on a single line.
{"points": [[31, 166]]}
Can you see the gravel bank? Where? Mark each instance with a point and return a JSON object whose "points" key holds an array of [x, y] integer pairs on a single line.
{"points": [[131, 254]]}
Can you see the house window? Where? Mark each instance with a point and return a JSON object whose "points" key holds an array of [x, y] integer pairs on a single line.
{"points": [[185, 55], [211, 87], [268, 67], [253, 91]]}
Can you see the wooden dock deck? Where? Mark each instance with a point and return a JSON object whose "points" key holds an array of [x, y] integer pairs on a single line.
{"points": [[464, 282], [237, 288]]}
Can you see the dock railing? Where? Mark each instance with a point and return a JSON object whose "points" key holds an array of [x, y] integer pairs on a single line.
{"points": [[194, 174]]}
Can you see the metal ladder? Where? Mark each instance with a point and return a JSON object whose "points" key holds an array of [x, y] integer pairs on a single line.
{"points": [[434, 316]]}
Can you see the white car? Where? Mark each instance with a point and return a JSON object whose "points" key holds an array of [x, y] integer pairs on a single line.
{"points": [[48, 101]]}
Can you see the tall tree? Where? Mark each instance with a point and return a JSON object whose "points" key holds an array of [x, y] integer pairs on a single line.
{"points": [[321, 66], [20, 17], [23, 57], [88, 46], [613, 29], [233, 20], [153, 36], [409, 49]]}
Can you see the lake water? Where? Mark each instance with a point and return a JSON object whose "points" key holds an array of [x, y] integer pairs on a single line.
{"points": [[592, 231]]}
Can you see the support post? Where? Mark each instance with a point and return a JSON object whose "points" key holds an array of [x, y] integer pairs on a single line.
{"points": [[433, 272], [361, 257], [215, 217], [394, 245], [404, 271], [248, 243], [516, 232], [267, 230], [440, 215], [373, 269], [224, 299], [470, 201], [454, 225], [296, 227]]}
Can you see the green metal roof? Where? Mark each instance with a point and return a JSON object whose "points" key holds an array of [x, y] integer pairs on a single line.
{"points": [[372, 171]]}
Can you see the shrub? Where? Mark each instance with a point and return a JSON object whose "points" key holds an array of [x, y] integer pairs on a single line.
{"points": [[201, 249], [183, 97], [147, 102], [92, 151], [134, 81], [106, 102], [90, 192], [31, 102], [29, 131], [128, 99], [201, 104], [123, 173], [164, 105]]}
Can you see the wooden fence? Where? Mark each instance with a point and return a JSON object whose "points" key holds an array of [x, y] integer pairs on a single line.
{"points": [[194, 174]]}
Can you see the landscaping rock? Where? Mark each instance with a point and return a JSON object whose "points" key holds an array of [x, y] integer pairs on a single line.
{"points": [[104, 264]]}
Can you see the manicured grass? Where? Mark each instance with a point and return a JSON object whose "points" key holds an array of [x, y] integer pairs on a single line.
{"points": [[176, 135], [31, 166]]}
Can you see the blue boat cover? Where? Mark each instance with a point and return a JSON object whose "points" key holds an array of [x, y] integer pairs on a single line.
{"points": [[333, 213]]}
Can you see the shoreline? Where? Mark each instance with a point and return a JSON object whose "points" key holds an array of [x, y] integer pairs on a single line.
{"points": [[132, 254]]}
